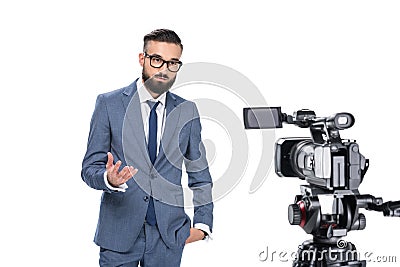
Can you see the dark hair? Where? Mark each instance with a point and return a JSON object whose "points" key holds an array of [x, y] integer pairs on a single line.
{"points": [[162, 35]]}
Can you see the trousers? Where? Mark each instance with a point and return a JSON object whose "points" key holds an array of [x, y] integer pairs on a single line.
{"points": [[149, 250]]}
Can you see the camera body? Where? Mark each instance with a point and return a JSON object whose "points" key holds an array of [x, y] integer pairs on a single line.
{"points": [[332, 166], [324, 160]]}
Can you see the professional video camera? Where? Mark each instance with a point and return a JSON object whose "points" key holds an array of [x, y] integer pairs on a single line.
{"points": [[334, 169]]}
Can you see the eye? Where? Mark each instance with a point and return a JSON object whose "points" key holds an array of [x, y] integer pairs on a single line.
{"points": [[157, 59]]}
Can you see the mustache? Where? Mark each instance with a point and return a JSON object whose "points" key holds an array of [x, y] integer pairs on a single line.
{"points": [[161, 75]]}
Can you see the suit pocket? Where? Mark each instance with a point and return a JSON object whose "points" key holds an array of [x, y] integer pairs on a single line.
{"points": [[183, 233]]}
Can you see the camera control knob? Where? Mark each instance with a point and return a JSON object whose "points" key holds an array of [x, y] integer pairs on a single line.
{"points": [[362, 221], [294, 214]]}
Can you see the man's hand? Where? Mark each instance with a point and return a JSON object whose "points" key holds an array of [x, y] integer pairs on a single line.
{"points": [[195, 235], [116, 178]]}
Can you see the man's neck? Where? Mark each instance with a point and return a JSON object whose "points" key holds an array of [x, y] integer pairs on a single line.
{"points": [[154, 95]]}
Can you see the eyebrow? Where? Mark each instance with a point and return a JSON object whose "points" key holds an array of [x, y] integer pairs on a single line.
{"points": [[157, 55]]}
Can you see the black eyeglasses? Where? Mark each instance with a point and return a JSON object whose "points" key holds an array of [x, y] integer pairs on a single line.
{"points": [[157, 62]]}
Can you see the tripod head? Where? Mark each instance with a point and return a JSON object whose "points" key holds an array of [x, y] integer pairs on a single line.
{"points": [[344, 216]]}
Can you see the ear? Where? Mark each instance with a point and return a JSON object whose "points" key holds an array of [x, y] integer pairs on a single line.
{"points": [[141, 59]]}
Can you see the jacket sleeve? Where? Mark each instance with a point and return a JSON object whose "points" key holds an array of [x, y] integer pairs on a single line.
{"points": [[99, 143], [199, 178]]}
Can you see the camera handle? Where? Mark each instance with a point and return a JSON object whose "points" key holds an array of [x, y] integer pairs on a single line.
{"points": [[369, 202], [390, 208]]}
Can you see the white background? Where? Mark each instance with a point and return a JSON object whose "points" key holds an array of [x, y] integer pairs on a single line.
{"points": [[57, 56]]}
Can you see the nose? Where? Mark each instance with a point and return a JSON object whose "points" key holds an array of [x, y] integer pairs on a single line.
{"points": [[164, 67]]}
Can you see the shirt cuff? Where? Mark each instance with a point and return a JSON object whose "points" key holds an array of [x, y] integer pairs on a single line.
{"points": [[121, 188], [205, 228]]}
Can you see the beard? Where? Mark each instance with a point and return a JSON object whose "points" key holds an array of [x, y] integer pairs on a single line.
{"points": [[155, 86]]}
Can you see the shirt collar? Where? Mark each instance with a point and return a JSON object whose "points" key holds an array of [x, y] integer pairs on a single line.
{"points": [[144, 95]]}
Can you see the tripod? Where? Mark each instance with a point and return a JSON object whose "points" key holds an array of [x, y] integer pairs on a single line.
{"points": [[327, 249]]}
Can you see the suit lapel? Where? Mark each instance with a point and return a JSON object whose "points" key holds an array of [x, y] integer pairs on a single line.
{"points": [[171, 122], [133, 122]]}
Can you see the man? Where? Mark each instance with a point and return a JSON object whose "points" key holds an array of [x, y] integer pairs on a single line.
{"points": [[139, 138]]}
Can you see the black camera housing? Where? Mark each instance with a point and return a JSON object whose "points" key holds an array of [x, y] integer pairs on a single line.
{"points": [[324, 160], [331, 166]]}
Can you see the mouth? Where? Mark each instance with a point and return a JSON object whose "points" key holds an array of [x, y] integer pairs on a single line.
{"points": [[161, 77]]}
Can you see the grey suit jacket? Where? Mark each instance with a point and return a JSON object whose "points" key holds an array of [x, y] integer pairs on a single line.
{"points": [[117, 127]]}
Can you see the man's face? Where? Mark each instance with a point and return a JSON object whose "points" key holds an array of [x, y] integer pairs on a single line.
{"points": [[159, 80]]}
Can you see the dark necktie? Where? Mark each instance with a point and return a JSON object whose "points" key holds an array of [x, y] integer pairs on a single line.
{"points": [[152, 147]]}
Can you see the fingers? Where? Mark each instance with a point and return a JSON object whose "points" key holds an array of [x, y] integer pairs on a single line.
{"points": [[115, 176], [132, 172], [127, 173], [115, 169], [109, 160], [195, 235], [124, 174]]}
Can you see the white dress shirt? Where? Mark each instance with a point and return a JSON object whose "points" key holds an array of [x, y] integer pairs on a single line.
{"points": [[145, 96]]}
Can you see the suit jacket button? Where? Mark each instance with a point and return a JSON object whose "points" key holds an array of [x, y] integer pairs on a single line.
{"points": [[146, 198]]}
